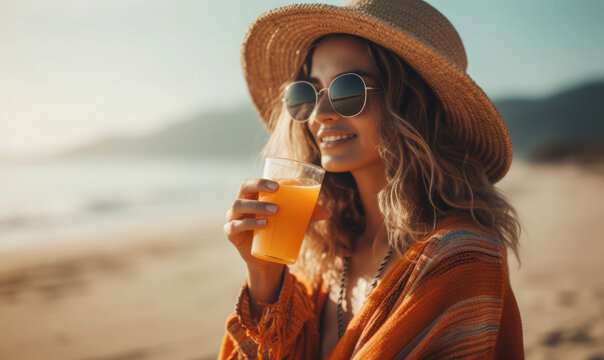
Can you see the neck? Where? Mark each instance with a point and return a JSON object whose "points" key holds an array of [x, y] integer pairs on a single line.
{"points": [[370, 180]]}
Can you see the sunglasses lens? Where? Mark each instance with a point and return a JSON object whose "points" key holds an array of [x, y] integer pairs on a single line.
{"points": [[347, 94], [300, 100]]}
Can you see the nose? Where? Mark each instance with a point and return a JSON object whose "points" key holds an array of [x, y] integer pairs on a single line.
{"points": [[324, 111]]}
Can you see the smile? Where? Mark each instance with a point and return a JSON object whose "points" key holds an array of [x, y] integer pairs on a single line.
{"points": [[334, 140]]}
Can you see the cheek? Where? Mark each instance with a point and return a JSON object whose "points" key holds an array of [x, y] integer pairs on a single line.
{"points": [[370, 131], [370, 144], [312, 128]]}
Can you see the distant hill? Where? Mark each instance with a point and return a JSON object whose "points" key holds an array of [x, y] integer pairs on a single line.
{"points": [[227, 133], [541, 129], [568, 118]]}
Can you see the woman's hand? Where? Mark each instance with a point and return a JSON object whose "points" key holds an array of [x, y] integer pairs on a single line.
{"points": [[248, 214], [264, 278]]}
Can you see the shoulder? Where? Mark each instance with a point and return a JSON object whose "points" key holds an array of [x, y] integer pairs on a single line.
{"points": [[464, 236], [463, 248]]}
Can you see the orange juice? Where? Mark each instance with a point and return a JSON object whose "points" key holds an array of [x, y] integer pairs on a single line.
{"points": [[280, 240]]}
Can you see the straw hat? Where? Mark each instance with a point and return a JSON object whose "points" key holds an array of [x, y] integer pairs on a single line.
{"points": [[276, 43]]}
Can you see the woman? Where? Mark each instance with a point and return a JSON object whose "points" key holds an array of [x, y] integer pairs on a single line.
{"points": [[410, 258]]}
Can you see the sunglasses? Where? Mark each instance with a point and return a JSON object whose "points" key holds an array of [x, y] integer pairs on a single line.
{"points": [[347, 94]]}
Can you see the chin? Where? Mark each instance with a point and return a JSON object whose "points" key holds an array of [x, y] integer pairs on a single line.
{"points": [[334, 164], [338, 163]]}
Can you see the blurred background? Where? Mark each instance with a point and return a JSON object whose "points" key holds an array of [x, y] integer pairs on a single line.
{"points": [[126, 128]]}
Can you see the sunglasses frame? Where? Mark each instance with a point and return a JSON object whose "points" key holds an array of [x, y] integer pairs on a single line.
{"points": [[318, 94]]}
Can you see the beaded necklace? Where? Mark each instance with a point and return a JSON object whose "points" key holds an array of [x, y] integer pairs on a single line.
{"points": [[367, 292]]}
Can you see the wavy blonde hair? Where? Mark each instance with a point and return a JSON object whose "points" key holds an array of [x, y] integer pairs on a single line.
{"points": [[429, 175]]}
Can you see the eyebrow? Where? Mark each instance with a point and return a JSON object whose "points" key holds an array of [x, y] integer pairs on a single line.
{"points": [[356, 71]]}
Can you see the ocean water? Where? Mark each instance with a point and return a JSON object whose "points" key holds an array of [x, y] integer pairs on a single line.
{"points": [[41, 202]]}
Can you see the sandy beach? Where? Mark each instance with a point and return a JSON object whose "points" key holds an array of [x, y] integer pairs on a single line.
{"points": [[164, 291]]}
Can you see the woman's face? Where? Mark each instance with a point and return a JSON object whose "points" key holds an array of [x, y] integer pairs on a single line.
{"points": [[333, 57]]}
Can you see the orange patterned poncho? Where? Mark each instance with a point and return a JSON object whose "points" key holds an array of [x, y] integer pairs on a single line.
{"points": [[449, 297]]}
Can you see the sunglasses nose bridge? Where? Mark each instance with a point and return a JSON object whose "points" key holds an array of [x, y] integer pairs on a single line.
{"points": [[324, 110], [320, 92]]}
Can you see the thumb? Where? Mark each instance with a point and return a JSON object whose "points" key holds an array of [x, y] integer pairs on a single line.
{"points": [[320, 213]]}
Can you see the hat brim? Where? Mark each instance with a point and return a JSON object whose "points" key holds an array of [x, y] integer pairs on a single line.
{"points": [[277, 42]]}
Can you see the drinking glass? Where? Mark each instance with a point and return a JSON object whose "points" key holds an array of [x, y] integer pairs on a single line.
{"points": [[299, 185]]}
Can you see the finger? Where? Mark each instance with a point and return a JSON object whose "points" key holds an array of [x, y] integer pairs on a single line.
{"points": [[250, 187], [236, 226], [320, 213], [242, 207]]}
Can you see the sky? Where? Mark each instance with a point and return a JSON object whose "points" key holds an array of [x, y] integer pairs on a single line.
{"points": [[73, 71]]}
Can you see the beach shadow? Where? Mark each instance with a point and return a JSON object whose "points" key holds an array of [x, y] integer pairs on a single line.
{"points": [[69, 277], [140, 354], [599, 356], [577, 336], [53, 281]]}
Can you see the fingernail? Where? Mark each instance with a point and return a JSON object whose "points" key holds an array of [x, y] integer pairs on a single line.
{"points": [[261, 221], [271, 208], [272, 185]]}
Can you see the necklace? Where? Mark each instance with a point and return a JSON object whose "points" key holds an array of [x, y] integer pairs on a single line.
{"points": [[367, 292]]}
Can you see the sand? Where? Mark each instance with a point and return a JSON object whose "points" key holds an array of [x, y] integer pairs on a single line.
{"points": [[164, 291], [559, 286], [158, 293]]}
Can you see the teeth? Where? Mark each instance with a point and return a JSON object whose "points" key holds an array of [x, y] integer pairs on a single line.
{"points": [[336, 137]]}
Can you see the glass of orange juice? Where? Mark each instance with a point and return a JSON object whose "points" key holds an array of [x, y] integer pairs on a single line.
{"points": [[299, 185]]}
